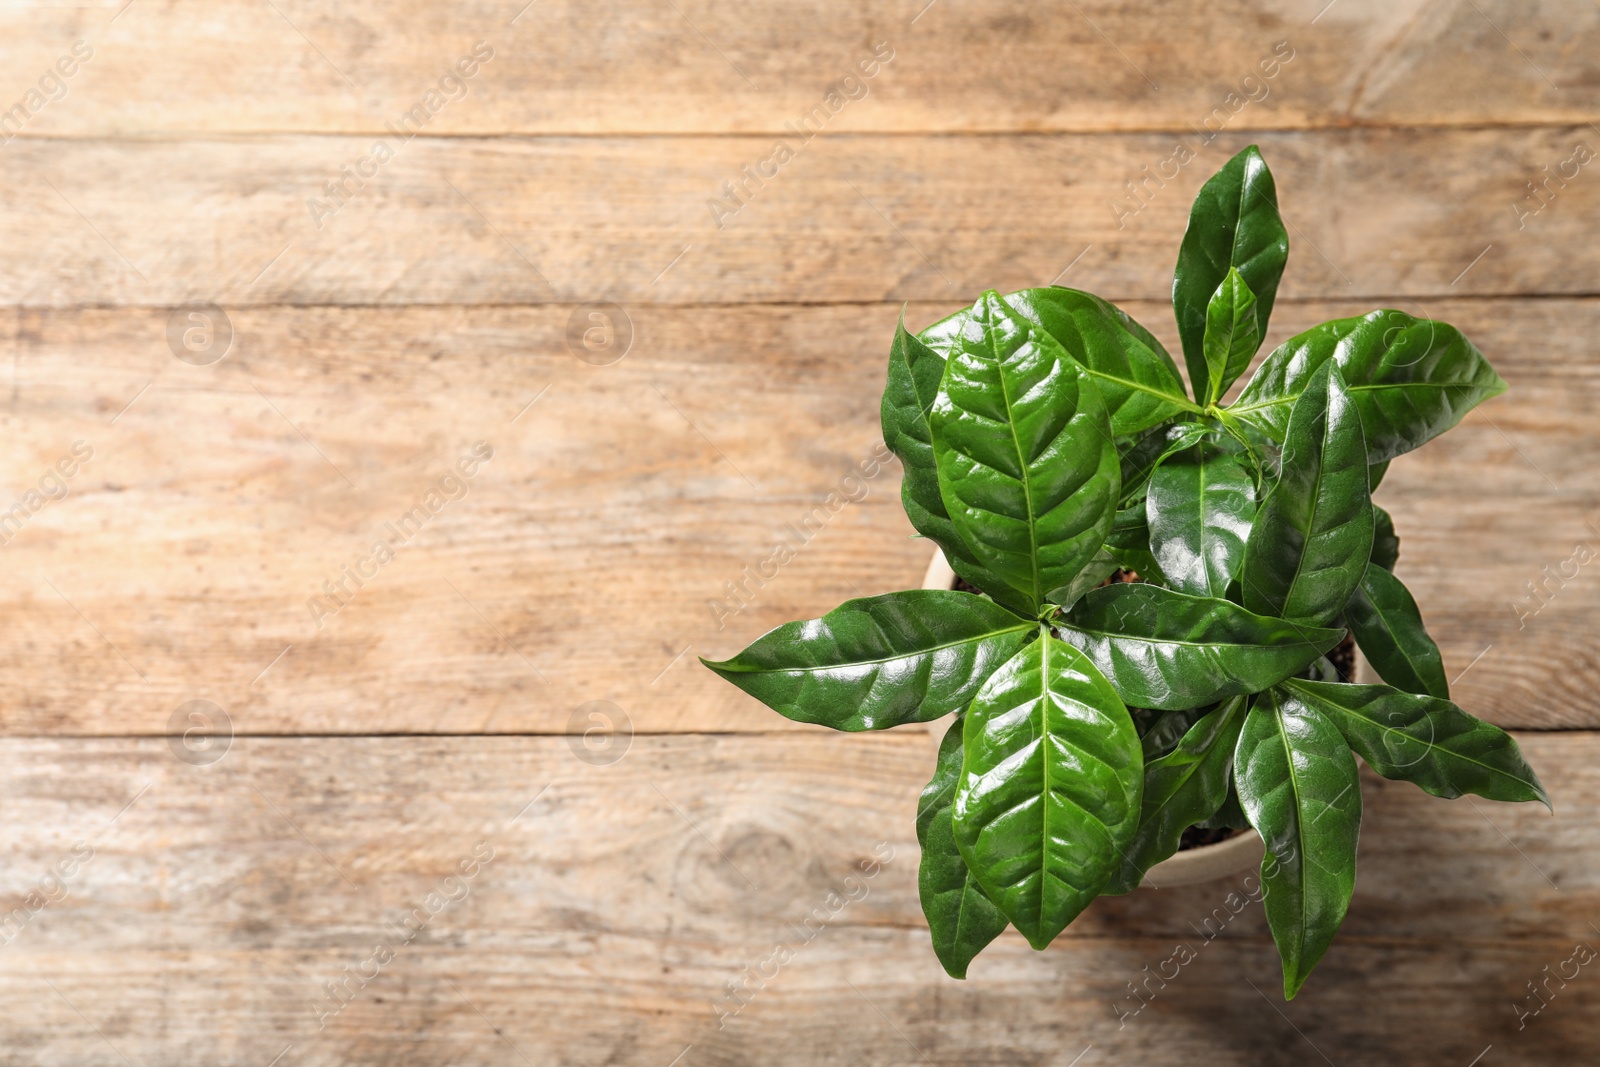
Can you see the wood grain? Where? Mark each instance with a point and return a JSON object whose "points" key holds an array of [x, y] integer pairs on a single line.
{"points": [[379, 332], [498, 221], [621, 900], [622, 66], [589, 552]]}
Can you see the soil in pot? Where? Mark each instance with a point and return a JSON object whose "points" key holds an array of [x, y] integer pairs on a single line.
{"points": [[1199, 836], [1343, 658]]}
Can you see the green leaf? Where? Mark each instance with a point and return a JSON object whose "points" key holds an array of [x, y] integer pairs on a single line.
{"points": [[1259, 452], [961, 917], [1412, 379], [1385, 542], [1298, 783], [1129, 542], [1313, 534], [942, 336], [1232, 334], [1165, 731], [1027, 467], [1184, 787], [915, 371], [880, 661], [1169, 650], [1138, 455], [1199, 511], [1135, 376], [1388, 627], [1095, 572], [1234, 225], [1049, 793], [1231, 815], [1427, 741], [1375, 474], [1142, 458], [1323, 670]]}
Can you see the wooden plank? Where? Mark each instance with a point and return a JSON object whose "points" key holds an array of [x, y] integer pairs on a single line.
{"points": [[1375, 214], [586, 559], [611, 513], [192, 899], [567, 66], [611, 906]]}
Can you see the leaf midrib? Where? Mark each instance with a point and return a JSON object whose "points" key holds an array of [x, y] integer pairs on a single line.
{"points": [[729, 665], [1290, 398], [1045, 695], [1299, 826], [1022, 464], [1216, 372], [1205, 561], [1316, 492], [1432, 748], [1194, 767], [1181, 401], [1137, 639], [1377, 609], [969, 884]]}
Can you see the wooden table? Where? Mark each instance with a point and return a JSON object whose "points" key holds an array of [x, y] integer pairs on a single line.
{"points": [[266, 346]]}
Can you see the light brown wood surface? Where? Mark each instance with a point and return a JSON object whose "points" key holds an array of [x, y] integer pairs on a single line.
{"points": [[923, 217], [374, 345], [692, 66], [621, 900]]}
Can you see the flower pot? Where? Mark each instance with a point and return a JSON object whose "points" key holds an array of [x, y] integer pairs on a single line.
{"points": [[1191, 866]]}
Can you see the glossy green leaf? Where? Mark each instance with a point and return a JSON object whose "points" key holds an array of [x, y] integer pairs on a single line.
{"points": [[1129, 542], [915, 371], [1259, 453], [1135, 377], [1138, 455], [1385, 542], [1388, 627], [1144, 456], [1298, 783], [1323, 670], [1184, 787], [1095, 572], [1132, 371], [1129, 539], [880, 661], [1165, 729], [1170, 650], [1050, 787], [1232, 334], [1313, 534], [1375, 474], [1231, 815], [1423, 740], [1234, 224], [1027, 467], [1199, 511], [1412, 379], [961, 917]]}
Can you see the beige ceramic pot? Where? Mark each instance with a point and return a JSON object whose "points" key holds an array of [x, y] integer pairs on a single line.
{"points": [[1192, 866]]}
